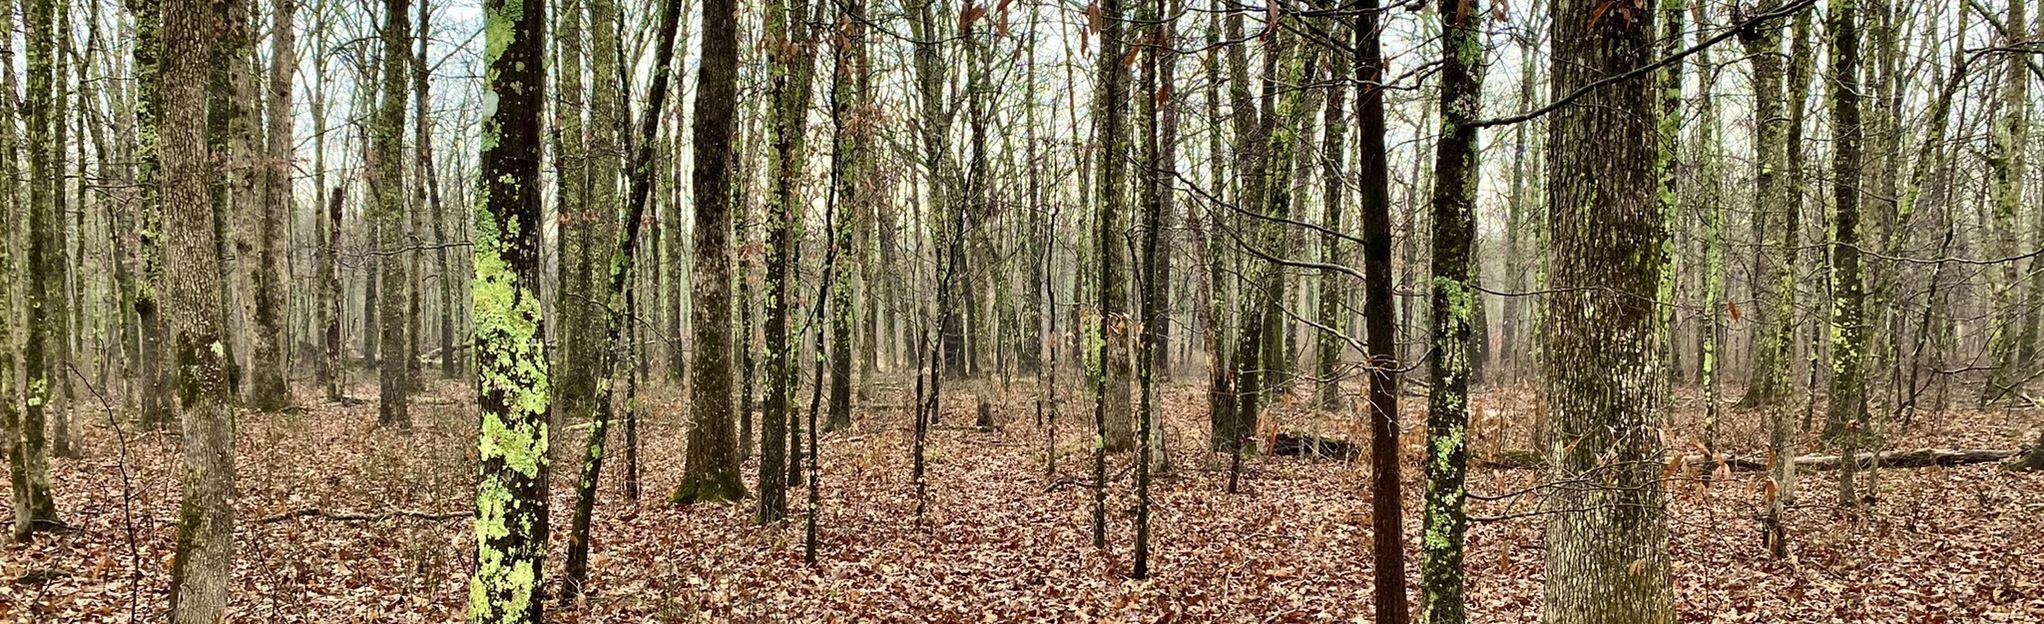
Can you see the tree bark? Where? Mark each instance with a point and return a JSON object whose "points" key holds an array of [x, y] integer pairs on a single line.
{"points": [[711, 473], [1608, 540]]}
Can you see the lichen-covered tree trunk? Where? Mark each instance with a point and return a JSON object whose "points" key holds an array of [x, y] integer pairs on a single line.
{"points": [[1845, 419], [28, 448], [205, 529], [1110, 235], [1607, 539], [1772, 345], [330, 296], [1456, 171], [711, 472], [572, 159], [388, 181], [787, 43], [510, 337], [2006, 166], [270, 389], [850, 83], [153, 386], [27, 456], [1773, 341], [1711, 211], [1334, 292], [1387, 502]]}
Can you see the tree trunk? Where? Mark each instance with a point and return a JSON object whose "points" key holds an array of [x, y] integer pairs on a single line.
{"points": [[1608, 542], [711, 473], [1386, 500], [1455, 299], [1845, 419], [271, 389], [205, 530], [388, 180], [510, 343]]}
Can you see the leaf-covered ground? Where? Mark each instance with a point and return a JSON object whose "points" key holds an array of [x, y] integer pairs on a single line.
{"points": [[1003, 541]]}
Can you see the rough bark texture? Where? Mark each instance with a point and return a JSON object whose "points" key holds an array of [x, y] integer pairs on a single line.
{"points": [[1608, 538], [511, 359], [271, 390], [1454, 304], [1844, 420], [388, 182], [711, 473], [1386, 501], [205, 526], [1767, 384], [1110, 238], [2008, 142], [851, 82]]}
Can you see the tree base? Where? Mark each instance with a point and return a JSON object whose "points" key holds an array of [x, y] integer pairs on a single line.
{"points": [[712, 491]]}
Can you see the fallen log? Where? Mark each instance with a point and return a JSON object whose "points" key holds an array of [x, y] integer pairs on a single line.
{"points": [[1289, 444], [348, 516], [1919, 458]]}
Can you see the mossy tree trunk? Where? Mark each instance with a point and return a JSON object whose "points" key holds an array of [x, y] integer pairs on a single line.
{"points": [[388, 181], [851, 116], [2007, 162], [1775, 305], [1845, 420], [1607, 346]]}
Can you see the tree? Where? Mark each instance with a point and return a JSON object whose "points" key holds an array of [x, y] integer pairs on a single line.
{"points": [[1776, 304], [2008, 141], [618, 299], [388, 182], [711, 472], [1109, 237], [788, 63], [27, 454], [850, 83], [511, 358], [427, 195], [1455, 300], [1386, 501], [271, 391], [1606, 339], [205, 530], [1334, 295], [1774, 316], [1846, 419]]}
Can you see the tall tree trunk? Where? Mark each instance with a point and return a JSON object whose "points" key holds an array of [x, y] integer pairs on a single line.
{"points": [[510, 335], [271, 389], [1773, 318], [1110, 235], [1386, 500], [618, 298], [1334, 292], [574, 160], [849, 136], [788, 44], [1711, 209], [1845, 419], [2006, 167], [1455, 299], [711, 473], [27, 455], [389, 184], [428, 196], [1608, 541], [205, 530]]}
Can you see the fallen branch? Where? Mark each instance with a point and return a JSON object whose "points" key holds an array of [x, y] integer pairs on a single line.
{"points": [[1920, 458], [349, 516]]}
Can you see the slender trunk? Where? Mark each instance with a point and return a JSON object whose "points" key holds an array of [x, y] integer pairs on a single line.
{"points": [[388, 180], [1386, 500], [271, 389]]}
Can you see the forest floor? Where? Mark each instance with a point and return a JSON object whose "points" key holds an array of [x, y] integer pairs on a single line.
{"points": [[1003, 541]]}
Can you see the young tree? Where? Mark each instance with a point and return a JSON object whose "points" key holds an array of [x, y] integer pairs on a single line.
{"points": [[1386, 501], [1845, 419], [205, 531], [618, 298], [510, 348], [788, 44], [27, 454], [1455, 300], [1606, 345], [711, 472]]}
